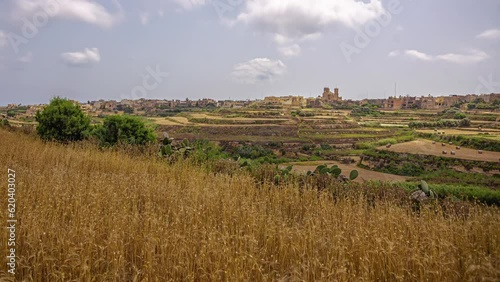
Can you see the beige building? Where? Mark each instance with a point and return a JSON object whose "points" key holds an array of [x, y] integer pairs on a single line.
{"points": [[329, 96], [427, 102], [290, 101], [393, 103]]}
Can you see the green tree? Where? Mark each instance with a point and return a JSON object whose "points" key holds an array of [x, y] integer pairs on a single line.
{"points": [[464, 122], [11, 113], [459, 115], [128, 110], [124, 129], [62, 121]]}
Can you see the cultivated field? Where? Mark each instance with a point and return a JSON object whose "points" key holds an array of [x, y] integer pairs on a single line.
{"points": [[170, 121], [238, 119], [304, 135], [92, 215], [183, 121], [425, 147]]}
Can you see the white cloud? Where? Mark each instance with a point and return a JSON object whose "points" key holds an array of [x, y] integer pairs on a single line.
{"points": [[294, 20], [474, 56], [489, 34], [471, 57], [3, 39], [86, 57], [26, 58], [259, 69], [79, 10], [190, 4], [290, 51], [418, 55]]}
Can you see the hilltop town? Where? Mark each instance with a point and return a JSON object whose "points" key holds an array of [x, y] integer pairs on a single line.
{"points": [[327, 100]]}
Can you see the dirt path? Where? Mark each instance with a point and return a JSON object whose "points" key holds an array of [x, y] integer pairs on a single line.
{"points": [[425, 147]]}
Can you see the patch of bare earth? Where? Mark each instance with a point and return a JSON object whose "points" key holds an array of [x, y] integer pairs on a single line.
{"points": [[425, 147]]}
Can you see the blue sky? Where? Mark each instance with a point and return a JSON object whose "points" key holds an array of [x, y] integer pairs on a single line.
{"points": [[246, 49]]}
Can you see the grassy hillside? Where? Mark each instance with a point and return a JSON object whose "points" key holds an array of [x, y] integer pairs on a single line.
{"points": [[88, 215]]}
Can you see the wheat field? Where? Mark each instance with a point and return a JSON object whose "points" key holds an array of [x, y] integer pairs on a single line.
{"points": [[91, 215]]}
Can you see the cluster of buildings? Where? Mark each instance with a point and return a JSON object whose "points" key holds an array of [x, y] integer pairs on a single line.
{"points": [[328, 98], [138, 107], [430, 103], [156, 106], [397, 103]]}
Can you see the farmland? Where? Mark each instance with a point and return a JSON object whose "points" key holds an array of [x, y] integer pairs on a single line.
{"points": [[118, 215], [301, 136], [313, 136], [264, 195], [258, 140]]}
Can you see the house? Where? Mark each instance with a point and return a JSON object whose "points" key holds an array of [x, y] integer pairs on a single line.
{"points": [[427, 102], [393, 103]]}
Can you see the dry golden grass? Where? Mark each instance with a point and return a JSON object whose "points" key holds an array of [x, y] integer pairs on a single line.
{"points": [[87, 215]]}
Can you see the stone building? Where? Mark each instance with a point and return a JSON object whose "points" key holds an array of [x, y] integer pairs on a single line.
{"points": [[289, 101], [329, 96], [393, 103], [427, 102]]}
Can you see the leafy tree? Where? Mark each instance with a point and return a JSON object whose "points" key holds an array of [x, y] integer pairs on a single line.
{"points": [[459, 115], [11, 113], [128, 110], [464, 122], [62, 121], [124, 129], [471, 106]]}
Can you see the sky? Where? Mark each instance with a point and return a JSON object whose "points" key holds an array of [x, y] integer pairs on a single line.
{"points": [[246, 49]]}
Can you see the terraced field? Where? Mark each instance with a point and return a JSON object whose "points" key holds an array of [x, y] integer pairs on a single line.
{"points": [[238, 119], [464, 131], [170, 121], [309, 135]]}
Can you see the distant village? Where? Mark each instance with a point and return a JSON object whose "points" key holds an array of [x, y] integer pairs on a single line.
{"points": [[333, 99], [328, 99]]}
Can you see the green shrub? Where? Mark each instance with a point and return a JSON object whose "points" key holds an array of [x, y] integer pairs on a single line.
{"points": [[253, 151], [62, 121], [124, 129]]}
